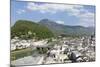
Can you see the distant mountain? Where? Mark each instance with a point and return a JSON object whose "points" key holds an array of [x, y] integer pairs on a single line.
{"points": [[28, 29], [59, 29]]}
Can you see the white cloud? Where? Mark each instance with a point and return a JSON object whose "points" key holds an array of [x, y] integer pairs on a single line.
{"points": [[60, 22], [53, 8], [85, 17], [20, 11]]}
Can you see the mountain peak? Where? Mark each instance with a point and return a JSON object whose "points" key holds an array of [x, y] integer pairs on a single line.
{"points": [[44, 20], [47, 22]]}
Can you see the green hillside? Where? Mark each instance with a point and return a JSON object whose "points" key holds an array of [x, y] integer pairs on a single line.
{"points": [[28, 29]]}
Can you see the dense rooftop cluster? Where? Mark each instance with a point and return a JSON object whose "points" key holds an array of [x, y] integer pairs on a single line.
{"points": [[59, 50]]}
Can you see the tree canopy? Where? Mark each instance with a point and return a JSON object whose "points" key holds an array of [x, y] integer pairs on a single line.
{"points": [[28, 29]]}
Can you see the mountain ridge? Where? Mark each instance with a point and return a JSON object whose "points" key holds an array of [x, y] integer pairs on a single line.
{"points": [[66, 29]]}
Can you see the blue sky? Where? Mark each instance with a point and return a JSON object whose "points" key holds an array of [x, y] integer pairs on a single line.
{"points": [[61, 13]]}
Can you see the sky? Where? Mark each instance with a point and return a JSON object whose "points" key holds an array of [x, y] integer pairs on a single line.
{"points": [[66, 14]]}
